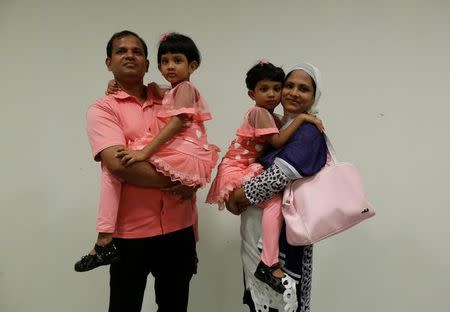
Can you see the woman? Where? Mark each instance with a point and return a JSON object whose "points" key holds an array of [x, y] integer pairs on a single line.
{"points": [[304, 155]]}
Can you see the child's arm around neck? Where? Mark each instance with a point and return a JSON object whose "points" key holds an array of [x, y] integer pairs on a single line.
{"points": [[172, 128], [278, 140]]}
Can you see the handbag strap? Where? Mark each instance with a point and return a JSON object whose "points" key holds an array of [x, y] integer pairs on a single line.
{"points": [[331, 149], [288, 192]]}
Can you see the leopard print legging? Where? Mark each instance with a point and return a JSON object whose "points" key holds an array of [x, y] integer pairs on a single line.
{"points": [[266, 185]]}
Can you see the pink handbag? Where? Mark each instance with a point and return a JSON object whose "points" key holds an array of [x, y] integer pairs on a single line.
{"points": [[325, 204]]}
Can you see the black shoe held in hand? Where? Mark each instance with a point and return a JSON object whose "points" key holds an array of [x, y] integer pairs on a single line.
{"points": [[104, 255]]}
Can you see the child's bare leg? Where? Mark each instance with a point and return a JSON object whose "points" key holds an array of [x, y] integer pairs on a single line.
{"points": [[271, 226], [268, 270]]}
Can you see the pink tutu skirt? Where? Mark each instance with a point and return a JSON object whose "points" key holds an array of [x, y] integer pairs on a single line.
{"points": [[182, 160], [229, 177]]}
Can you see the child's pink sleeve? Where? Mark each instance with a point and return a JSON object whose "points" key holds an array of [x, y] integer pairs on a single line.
{"points": [[258, 122], [185, 99]]}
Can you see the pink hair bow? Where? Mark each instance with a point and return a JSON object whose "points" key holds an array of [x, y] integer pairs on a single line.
{"points": [[164, 36], [263, 62]]}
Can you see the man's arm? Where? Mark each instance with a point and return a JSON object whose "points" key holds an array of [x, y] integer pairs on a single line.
{"points": [[140, 173], [104, 129]]}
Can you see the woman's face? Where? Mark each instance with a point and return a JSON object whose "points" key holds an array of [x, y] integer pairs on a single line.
{"points": [[297, 95]]}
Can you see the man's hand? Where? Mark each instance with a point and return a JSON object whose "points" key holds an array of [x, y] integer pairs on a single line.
{"points": [[237, 202], [184, 191]]}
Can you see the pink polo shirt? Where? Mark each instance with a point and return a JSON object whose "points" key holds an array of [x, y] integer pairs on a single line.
{"points": [[143, 212]]}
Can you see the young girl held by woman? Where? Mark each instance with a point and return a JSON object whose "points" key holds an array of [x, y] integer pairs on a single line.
{"points": [[258, 130]]}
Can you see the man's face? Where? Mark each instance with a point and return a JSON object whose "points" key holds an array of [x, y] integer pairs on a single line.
{"points": [[127, 58]]}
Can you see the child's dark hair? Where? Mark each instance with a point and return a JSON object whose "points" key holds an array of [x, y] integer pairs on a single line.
{"points": [[263, 70], [178, 43], [120, 35]]}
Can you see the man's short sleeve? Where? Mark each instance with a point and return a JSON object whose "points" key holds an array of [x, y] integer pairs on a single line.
{"points": [[103, 127]]}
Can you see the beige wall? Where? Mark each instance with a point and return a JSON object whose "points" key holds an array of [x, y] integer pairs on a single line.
{"points": [[385, 71]]}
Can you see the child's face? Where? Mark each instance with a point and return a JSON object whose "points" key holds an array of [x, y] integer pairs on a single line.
{"points": [[175, 67], [267, 94]]}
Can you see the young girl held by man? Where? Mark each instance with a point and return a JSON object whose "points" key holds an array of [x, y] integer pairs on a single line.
{"points": [[180, 150]]}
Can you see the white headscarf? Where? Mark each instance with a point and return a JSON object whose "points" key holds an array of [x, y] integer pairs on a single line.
{"points": [[314, 73]]}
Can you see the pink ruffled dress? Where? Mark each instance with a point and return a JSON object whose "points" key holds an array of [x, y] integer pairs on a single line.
{"points": [[239, 163], [188, 157]]}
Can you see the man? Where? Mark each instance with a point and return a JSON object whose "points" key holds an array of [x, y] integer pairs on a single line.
{"points": [[154, 229]]}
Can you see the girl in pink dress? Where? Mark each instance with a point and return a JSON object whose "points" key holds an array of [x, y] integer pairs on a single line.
{"points": [[180, 150], [258, 130]]}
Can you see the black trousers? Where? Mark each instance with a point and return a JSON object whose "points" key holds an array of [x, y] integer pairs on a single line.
{"points": [[170, 258]]}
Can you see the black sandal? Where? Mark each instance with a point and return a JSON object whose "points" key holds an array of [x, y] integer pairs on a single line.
{"points": [[104, 255], [264, 274]]}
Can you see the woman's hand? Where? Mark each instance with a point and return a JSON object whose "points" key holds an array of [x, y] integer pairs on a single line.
{"points": [[237, 202], [113, 87], [128, 157]]}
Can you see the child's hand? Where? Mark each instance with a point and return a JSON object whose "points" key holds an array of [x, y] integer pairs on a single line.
{"points": [[128, 157], [112, 88], [157, 90], [314, 120]]}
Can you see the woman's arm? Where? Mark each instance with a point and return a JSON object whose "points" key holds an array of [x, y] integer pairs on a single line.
{"points": [[305, 155], [277, 140], [258, 189], [129, 157]]}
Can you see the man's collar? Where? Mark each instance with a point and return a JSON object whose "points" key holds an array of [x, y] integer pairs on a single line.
{"points": [[121, 95], [151, 99]]}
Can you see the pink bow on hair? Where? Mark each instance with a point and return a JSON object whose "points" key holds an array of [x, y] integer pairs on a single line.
{"points": [[164, 36], [263, 62]]}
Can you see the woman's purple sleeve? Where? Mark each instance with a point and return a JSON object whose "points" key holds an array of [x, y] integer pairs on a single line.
{"points": [[306, 151]]}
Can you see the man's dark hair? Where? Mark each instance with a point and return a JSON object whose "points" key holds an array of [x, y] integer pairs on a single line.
{"points": [[120, 35]]}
